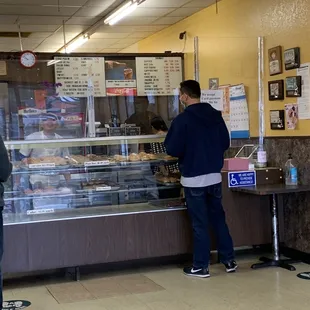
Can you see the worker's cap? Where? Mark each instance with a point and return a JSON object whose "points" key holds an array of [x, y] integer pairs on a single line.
{"points": [[48, 116]]}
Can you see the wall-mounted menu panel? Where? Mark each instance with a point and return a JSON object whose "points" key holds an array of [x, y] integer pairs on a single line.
{"points": [[158, 76], [73, 72]]}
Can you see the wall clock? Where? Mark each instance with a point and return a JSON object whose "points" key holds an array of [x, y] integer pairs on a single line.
{"points": [[28, 59]]}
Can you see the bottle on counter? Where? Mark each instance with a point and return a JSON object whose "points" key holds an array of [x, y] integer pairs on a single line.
{"points": [[291, 177], [261, 158]]}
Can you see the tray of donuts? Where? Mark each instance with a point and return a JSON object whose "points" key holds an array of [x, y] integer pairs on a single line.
{"points": [[136, 158], [171, 179]]}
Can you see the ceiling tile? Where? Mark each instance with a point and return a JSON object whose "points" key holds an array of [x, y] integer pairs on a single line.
{"points": [[87, 50], [7, 27], [36, 10], [82, 21], [42, 20], [199, 3], [114, 29], [40, 35], [184, 12], [110, 50], [102, 35], [167, 20], [91, 11], [8, 19], [102, 43], [150, 28], [140, 35], [129, 41], [150, 12], [133, 21], [120, 45], [44, 2], [75, 28], [164, 3], [34, 28], [105, 3]]}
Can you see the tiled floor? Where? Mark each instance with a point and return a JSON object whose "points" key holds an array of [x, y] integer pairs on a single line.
{"points": [[168, 289]]}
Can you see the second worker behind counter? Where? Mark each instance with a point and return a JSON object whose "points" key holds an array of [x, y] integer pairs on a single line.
{"points": [[49, 123]]}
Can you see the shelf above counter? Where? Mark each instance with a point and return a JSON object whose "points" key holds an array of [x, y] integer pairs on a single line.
{"points": [[84, 142]]}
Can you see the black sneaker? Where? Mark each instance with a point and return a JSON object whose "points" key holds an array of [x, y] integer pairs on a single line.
{"points": [[197, 272], [231, 266]]}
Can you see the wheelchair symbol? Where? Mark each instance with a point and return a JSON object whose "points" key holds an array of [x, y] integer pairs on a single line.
{"points": [[233, 181]]}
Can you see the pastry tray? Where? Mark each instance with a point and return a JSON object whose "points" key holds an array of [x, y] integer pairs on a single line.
{"points": [[154, 180]]}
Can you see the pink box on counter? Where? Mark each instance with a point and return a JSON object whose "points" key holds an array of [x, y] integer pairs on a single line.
{"points": [[236, 164]]}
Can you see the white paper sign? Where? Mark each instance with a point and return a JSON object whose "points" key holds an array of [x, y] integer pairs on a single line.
{"points": [[158, 76], [97, 163], [214, 97], [73, 74], [41, 166], [304, 101], [103, 188], [40, 211]]}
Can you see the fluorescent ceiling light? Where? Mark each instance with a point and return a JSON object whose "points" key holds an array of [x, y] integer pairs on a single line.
{"points": [[122, 12], [75, 44]]}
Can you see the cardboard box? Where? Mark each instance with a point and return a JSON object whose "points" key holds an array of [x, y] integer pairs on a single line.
{"points": [[236, 164]]}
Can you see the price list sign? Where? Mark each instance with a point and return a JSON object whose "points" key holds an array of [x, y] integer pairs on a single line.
{"points": [[158, 76], [73, 73]]}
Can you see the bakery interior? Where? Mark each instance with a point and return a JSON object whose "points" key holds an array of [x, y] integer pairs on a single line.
{"points": [[104, 192]]}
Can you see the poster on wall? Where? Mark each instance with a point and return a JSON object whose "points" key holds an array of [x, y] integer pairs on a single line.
{"points": [[72, 74], [226, 105], [304, 101], [291, 115], [158, 76], [239, 113], [120, 77]]}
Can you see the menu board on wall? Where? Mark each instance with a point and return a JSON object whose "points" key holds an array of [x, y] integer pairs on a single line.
{"points": [[158, 76], [73, 72]]}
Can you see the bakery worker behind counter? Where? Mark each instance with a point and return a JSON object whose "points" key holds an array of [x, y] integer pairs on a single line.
{"points": [[48, 123], [142, 118]]}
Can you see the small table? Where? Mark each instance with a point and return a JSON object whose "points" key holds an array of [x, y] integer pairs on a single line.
{"points": [[273, 191]]}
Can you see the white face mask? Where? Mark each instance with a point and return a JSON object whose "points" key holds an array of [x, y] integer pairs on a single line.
{"points": [[182, 102]]}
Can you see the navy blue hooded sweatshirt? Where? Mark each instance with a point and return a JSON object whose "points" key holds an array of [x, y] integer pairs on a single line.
{"points": [[199, 138]]}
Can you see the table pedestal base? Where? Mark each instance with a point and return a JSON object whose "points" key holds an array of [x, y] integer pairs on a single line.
{"points": [[282, 263]]}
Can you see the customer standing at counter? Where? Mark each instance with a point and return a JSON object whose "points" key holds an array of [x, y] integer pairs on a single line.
{"points": [[199, 138], [5, 172]]}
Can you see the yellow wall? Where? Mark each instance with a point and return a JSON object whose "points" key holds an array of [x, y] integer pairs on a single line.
{"points": [[228, 46]]}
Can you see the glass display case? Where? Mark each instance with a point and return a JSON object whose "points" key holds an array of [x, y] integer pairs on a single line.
{"points": [[72, 178], [85, 136]]}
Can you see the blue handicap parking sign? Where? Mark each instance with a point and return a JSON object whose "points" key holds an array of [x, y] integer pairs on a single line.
{"points": [[241, 178]]}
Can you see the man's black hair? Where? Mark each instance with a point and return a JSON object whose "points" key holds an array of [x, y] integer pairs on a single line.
{"points": [[191, 88]]}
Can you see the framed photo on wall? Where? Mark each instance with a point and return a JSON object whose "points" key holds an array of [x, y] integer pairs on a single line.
{"points": [[277, 120], [292, 58], [214, 83], [293, 86], [276, 90], [275, 60]]}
